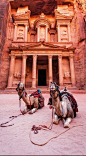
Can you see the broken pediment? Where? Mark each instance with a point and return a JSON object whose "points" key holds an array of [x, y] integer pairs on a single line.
{"points": [[61, 16], [40, 45], [22, 10], [21, 15]]}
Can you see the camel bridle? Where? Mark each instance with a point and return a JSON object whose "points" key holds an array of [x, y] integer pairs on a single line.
{"points": [[53, 89]]}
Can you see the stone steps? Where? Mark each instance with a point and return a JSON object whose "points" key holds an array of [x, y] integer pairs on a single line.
{"points": [[43, 90]]}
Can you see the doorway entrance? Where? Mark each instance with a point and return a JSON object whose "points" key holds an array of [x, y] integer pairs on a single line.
{"points": [[42, 77]]}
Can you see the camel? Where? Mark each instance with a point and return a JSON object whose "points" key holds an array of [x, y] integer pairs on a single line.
{"points": [[62, 106], [33, 102]]}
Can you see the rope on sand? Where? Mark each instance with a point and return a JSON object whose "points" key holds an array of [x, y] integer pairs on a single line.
{"points": [[52, 137]]}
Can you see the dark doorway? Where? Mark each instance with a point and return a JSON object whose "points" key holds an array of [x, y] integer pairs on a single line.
{"points": [[42, 77]]}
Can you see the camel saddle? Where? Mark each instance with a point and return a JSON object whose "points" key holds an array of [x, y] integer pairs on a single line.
{"points": [[40, 98]]}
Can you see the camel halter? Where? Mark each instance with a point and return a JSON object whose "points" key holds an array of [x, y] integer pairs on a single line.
{"points": [[42, 127], [54, 136], [13, 117]]}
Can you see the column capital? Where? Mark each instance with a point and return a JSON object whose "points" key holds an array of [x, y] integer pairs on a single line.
{"points": [[15, 24], [35, 56], [60, 56], [71, 56], [68, 24], [52, 31], [24, 56], [58, 25], [12, 56], [32, 32], [50, 56], [26, 24]]}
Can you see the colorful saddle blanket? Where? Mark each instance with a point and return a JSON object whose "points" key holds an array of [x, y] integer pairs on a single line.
{"points": [[40, 98], [71, 99]]}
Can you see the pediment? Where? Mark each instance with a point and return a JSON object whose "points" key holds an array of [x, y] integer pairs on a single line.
{"points": [[42, 45]]}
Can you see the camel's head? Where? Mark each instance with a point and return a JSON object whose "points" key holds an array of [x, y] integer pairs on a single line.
{"points": [[54, 88], [20, 87]]}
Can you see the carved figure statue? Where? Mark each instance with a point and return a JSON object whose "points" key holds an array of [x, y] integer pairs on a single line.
{"points": [[62, 106], [33, 101]]}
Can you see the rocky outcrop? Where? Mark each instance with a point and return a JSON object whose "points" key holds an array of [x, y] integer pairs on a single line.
{"points": [[38, 6], [3, 27], [3, 24], [79, 41]]}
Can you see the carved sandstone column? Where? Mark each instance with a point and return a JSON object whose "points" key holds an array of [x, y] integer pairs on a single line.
{"points": [[59, 34], [60, 70], [34, 71], [26, 28], [46, 34], [72, 70], [52, 35], [69, 34], [50, 69], [15, 32], [11, 71], [38, 34], [23, 69], [32, 35]]}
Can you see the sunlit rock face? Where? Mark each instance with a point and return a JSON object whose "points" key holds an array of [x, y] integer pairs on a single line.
{"points": [[42, 41], [39, 6]]}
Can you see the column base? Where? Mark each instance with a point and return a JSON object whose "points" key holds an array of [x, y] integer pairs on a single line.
{"points": [[73, 85], [33, 87], [10, 88]]}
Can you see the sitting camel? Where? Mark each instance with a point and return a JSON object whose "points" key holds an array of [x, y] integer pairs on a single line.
{"points": [[33, 101], [62, 106]]}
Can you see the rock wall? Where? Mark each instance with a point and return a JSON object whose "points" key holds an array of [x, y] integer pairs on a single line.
{"points": [[4, 57], [78, 28]]}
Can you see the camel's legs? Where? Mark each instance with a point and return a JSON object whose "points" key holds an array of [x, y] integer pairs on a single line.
{"points": [[56, 120], [32, 111], [35, 106], [67, 122]]}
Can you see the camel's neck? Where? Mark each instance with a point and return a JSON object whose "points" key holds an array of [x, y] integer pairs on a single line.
{"points": [[57, 105], [24, 96]]}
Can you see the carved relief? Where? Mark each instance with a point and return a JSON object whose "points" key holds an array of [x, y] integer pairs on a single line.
{"points": [[10, 32], [20, 34], [66, 74], [66, 70], [42, 33], [64, 33], [17, 75]]}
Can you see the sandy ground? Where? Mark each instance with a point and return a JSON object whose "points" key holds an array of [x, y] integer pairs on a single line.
{"points": [[15, 140]]}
